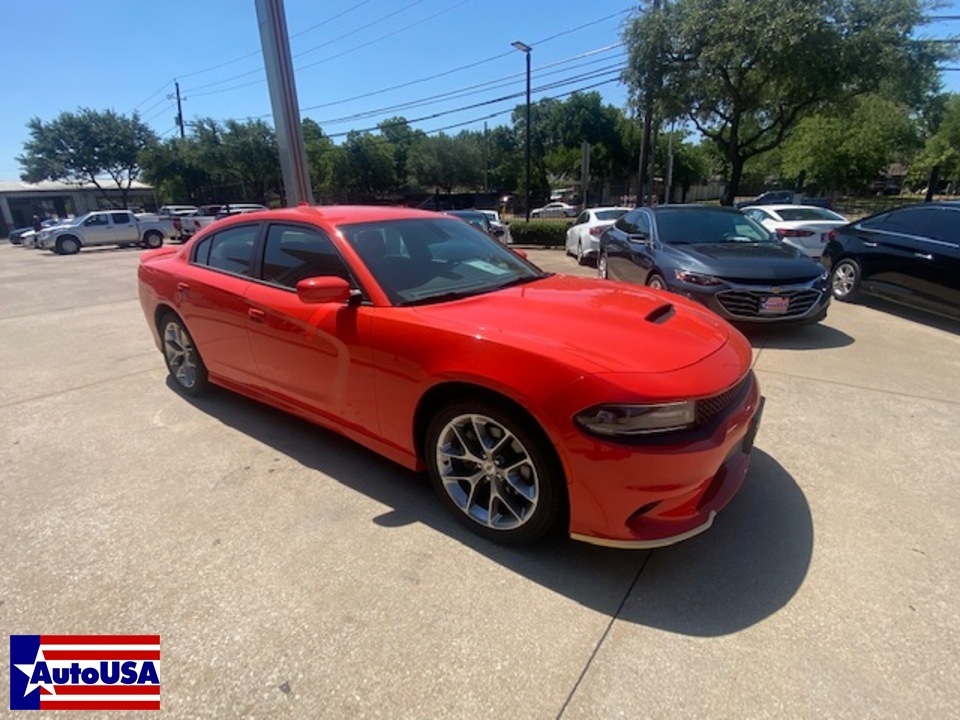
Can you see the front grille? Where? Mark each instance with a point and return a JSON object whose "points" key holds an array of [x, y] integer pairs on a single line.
{"points": [[747, 303], [711, 407]]}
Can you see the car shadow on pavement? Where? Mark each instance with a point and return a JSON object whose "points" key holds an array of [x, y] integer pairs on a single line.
{"points": [[745, 568], [803, 337], [938, 322]]}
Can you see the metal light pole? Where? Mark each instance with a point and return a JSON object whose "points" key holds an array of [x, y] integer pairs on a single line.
{"points": [[283, 98], [526, 50]]}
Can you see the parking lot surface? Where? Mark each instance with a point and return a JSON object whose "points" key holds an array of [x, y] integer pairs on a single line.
{"points": [[292, 574]]}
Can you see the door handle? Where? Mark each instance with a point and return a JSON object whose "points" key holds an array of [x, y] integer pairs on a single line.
{"points": [[182, 286], [256, 315], [923, 256], [869, 244]]}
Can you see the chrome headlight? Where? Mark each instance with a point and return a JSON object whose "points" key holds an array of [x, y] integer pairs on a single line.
{"points": [[697, 278], [629, 420]]}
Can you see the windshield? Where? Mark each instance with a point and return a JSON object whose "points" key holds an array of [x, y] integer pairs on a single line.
{"points": [[808, 213], [426, 260], [684, 227]]}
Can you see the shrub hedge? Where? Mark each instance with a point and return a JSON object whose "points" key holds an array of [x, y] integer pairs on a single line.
{"points": [[550, 233]]}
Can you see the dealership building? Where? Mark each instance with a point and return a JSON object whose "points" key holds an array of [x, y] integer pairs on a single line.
{"points": [[20, 201]]}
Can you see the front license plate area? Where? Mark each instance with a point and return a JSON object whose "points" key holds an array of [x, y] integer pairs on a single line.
{"points": [[774, 305]]}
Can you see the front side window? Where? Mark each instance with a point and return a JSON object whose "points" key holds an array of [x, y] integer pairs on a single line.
{"points": [[95, 220], [293, 253], [229, 250]]}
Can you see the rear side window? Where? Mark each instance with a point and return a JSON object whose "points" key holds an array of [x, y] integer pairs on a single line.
{"points": [[229, 250], [908, 221], [120, 218], [945, 226], [294, 253]]}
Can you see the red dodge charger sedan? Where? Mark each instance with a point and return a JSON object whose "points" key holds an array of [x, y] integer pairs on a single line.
{"points": [[534, 401]]}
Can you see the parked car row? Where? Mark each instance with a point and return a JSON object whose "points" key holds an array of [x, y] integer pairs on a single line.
{"points": [[779, 264]]}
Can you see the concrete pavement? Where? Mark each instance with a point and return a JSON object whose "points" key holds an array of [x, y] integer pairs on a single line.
{"points": [[293, 574]]}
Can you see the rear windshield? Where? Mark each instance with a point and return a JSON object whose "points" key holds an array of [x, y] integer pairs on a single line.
{"points": [[808, 213], [610, 214]]}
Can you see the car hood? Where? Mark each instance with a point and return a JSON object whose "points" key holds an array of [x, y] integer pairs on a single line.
{"points": [[597, 324], [748, 261]]}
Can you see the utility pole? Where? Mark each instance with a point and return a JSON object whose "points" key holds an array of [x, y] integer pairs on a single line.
{"points": [[485, 156], [526, 49], [179, 118], [643, 197], [283, 98], [668, 191]]}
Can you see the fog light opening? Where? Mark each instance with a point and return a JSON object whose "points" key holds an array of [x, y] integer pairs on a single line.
{"points": [[635, 518]]}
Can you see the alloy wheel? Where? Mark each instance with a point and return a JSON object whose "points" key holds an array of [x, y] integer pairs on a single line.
{"points": [[487, 472], [844, 279], [180, 354]]}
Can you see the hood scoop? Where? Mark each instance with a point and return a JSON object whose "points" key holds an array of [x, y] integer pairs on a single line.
{"points": [[659, 315]]}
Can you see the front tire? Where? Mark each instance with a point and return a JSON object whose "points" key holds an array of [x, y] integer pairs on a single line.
{"points": [[496, 474], [602, 271], [182, 357], [656, 281], [152, 240], [68, 245], [845, 280], [580, 258]]}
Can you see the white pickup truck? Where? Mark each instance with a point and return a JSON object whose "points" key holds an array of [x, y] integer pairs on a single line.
{"points": [[107, 227]]}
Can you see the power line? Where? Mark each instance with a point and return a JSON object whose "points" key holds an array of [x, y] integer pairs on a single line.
{"points": [[150, 97], [472, 121], [299, 54], [258, 52], [459, 93], [492, 58], [549, 86]]}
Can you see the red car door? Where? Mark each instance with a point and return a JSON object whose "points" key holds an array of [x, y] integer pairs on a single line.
{"points": [[210, 294], [313, 357]]}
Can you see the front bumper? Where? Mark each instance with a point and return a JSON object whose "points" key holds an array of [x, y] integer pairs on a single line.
{"points": [[743, 304], [658, 492]]}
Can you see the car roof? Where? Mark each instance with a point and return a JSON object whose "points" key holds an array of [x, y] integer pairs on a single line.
{"points": [[691, 208], [339, 214], [788, 206]]}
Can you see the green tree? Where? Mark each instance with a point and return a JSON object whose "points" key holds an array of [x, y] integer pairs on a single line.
{"points": [[846, 150], [398, 133], [363, 164], [942, 148], [86, 146], [745, 72], [445, 162], [319, 151]]}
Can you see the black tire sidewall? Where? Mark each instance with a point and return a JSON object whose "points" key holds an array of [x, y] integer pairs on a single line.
{"points": [[61, 244], [551, 486]]}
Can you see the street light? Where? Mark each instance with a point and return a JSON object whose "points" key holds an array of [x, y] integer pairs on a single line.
{"points": [[526, 50]]}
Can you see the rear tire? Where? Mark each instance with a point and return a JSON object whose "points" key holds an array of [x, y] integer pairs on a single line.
{"points": [[656, 281], [152, 240], [845, 280], [602, 271], [182, 357], [496, 474]]}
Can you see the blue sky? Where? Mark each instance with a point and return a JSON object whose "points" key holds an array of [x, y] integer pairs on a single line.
{"points": [[351, 56]]}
